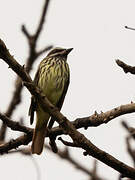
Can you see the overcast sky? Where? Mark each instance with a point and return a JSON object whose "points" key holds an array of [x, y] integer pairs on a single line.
{"points": [[95, 29]]}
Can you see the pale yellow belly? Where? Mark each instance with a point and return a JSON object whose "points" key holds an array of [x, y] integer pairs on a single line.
{"points": [[52, 85]]}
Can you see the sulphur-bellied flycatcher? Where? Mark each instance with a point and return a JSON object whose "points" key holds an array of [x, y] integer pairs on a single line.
{"points": [[52, 78]]}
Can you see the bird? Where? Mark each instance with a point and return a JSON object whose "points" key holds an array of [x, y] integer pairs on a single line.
{"points": [[52, 78]]}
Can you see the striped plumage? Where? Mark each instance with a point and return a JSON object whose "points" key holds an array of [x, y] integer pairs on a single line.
{"points": [[52, 78]]}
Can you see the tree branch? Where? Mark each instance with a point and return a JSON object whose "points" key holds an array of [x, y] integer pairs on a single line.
{"points": [[131, 135], [130, 150], [42, 19], [93, 120], [97, 119], [44, 50], [94, 172], [32, 39], [126, 68], [76, 136], [130, 28], [14, 125], [66, 143], [13, 144], [131, 130], [25, 31]]}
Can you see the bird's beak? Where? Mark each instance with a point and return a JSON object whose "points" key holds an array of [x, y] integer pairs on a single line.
{"points": [[68, 50]]}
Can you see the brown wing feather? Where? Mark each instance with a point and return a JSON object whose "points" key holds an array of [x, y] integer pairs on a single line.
{"points": [[60, 102]]}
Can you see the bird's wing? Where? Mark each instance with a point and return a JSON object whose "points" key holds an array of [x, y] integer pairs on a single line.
{"points": [[60, 102], [33, 104]]}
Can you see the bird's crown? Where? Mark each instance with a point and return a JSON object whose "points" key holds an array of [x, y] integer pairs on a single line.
{"points": [[59, 51]]}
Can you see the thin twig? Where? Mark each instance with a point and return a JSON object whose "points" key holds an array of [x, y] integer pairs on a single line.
{"points": [[126, 68], [33, 55], [94, 171], [14, 125], [15, 143], [130, 150], [42, 19], [66, 143], [131, 130], [44, 50], [130, 28]]}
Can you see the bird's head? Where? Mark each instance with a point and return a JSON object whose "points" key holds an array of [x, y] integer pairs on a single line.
{"points": [[59, 52]]}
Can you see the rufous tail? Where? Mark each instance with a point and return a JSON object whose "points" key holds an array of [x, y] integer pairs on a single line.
{"points": [[38, 140]]}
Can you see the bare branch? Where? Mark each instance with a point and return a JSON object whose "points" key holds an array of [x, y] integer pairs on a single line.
{"points": [[126, 68], [94, 172], [66, 143], [23, 151], [97, 119], [53, 144], [131, 135], [130, 150], [44, 50], [42, 19], [16, 126], [32, 40], [130, 28], [76, 136], [13, 144], [131, 130], [25, 31]]}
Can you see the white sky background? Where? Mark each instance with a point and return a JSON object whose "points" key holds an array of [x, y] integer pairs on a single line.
{"points": [[95, 29]]}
